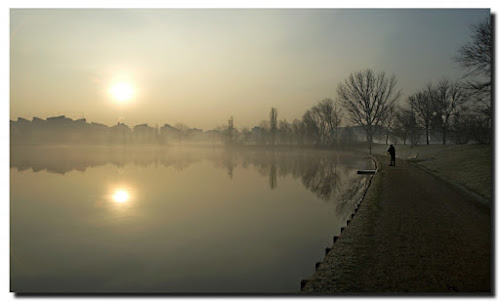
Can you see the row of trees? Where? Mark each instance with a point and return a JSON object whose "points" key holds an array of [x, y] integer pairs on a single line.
{"points": [[446, 109], [458, 111], [319, 126]]}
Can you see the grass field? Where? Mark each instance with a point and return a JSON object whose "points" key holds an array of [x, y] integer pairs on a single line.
{"points": [[468, 165]]}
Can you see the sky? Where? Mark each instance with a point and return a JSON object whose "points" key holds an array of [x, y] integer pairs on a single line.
{"points": [[202, 66]]}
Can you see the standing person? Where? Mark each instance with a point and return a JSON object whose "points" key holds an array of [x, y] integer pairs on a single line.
{"points": [[392, 151]]}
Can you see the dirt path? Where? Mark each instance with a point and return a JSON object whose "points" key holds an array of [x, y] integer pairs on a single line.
{"points": [[412, 233]]}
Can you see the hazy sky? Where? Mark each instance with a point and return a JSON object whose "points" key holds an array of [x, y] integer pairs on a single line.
{"points": [[201, 66]]}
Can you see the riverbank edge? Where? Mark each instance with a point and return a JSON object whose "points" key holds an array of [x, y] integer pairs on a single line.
{"points": [[357, 234], [334, 274]]}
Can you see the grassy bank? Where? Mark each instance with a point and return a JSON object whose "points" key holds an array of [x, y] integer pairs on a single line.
{"points": [[468, 165]]}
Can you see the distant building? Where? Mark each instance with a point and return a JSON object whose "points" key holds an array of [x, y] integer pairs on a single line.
{"points": [[258, 135], [168, 129], [168, 133], [257, 130], [22, 121], [20, 130], [212, 136], [81, 121], [143, 133], [97, 133], [37, 122], [59, 121], [120, 128], [63, 130], [98, 125], [195, 134], [119, 133]]}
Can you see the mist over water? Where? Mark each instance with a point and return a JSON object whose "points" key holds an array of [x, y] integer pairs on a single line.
{"points": [[177, 219]]}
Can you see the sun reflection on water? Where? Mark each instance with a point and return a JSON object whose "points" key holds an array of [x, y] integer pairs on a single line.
{"points": [[121, 195]]}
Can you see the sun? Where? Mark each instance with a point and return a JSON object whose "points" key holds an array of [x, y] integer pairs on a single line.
{"points": [[121, 196], [121, 92]]}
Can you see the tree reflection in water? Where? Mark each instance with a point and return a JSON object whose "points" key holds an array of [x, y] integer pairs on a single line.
{"points": [[273, 176], [352, 195], [321, 178], [327, 174]]}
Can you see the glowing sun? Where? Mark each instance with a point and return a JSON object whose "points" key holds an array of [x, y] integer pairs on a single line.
{"points": [[121, 196], [121, 92]]}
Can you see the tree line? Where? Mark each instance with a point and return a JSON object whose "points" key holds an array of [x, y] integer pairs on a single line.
{"points": [[451, 111]]}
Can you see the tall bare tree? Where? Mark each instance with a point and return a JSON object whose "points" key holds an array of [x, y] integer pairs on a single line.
{"points": [[475, 56], [450, 97], [263, 135], [273, 123], [230, 132], [423, 104], [389, 122], [367, 97], [182, 133], [462, 126], [330, 117], [312, 126], [246, 135], [298, 131], [284, 132], [406, 126], [401, 127]]}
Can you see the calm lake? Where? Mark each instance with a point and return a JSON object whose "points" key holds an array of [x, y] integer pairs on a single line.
{"points": [[175, 220]]}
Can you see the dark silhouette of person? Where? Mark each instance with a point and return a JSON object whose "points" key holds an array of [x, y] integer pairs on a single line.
{"points": [[392, 151]]}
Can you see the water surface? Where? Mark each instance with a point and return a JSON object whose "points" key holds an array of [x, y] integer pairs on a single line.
{"points": [[175, 220]]}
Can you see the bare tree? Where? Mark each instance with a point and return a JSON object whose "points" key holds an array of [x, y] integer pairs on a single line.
{"points": [[298, 131], [273, 123], [475, 56], [311, 127], [367, 97], [284, 132], [401, 128], [246, 135], [321, 123], [462, 125], [263, 135], [406, 126], [422, 103], [450, 98], [415, 131], [182, 133], [229, 132], [389, 122], [330, 118]]}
